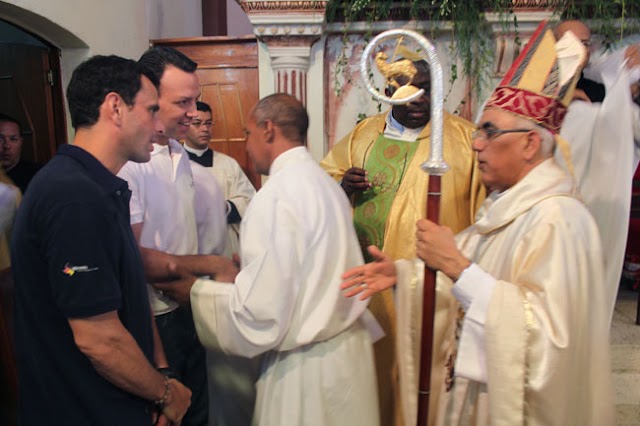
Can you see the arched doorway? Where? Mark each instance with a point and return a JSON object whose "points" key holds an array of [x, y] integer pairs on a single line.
{"points": [[31, 90]]}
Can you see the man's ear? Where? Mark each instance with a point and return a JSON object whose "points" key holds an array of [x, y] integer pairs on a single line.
{"points": [[112, 107], [533, 145], [269, 130]]}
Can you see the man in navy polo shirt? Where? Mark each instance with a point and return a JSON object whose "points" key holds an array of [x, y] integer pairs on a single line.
{"points": [[84, 337]]}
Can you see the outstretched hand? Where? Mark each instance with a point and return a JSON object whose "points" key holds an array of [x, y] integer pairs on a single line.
{"points": [[374, 277]]}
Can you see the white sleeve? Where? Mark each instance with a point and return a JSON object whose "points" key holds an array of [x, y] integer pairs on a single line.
{"points": [[253, 315], [473, 290], [635, 110]]}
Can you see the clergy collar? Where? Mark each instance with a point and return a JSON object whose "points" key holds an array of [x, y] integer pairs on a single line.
{"points": [[196, 151], [395, 130], [545, 180]]}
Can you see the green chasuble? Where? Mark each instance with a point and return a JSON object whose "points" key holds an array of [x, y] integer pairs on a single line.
{"points": [[386, 165]]}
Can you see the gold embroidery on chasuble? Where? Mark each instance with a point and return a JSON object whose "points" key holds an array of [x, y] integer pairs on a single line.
{"points": [[385, 162]]}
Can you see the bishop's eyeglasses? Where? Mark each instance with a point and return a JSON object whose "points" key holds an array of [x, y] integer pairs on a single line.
{"points": [[489, 133]]}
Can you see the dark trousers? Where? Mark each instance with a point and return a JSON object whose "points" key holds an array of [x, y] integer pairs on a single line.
{"points": [[187, 359]]}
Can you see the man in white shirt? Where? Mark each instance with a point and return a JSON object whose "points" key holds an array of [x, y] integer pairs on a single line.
{"points": [[164, 221], [237, 188]]}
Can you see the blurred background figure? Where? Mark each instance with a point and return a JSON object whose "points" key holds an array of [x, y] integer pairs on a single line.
{"points": [[602, 128], [9, 201], [19, 171]]}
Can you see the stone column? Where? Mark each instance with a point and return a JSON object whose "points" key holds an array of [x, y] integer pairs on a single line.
{"points": [[289, 29], [290, 65]]}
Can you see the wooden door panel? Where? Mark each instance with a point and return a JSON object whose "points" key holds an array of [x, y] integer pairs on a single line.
{"points": [[29, 97], [230, 93], [228, 111]]}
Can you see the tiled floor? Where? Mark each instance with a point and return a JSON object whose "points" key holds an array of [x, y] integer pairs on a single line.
{"points": [[625, 358]]}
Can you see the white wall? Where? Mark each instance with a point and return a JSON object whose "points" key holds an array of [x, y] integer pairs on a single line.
{"points": [[315, 101], [121, 27], [237, 21], [174, 18], [103, 26]]}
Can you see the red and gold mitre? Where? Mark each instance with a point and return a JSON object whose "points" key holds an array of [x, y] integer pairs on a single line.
{"points": [[540, 83]]}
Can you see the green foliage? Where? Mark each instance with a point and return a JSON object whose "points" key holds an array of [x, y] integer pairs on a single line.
{"points": [[473, 38], [473, 42], [612, 20]]}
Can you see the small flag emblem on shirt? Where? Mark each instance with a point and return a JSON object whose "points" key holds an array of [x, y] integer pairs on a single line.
{"points": [[70, 270]]}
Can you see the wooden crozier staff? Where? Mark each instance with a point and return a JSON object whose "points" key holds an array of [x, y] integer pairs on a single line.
{"points": [[435, 166]]}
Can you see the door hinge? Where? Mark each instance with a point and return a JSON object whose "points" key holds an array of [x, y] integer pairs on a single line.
{"points": [[50, 78]]}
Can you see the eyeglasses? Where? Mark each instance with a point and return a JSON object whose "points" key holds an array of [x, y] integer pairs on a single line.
{"points": [[491, 134], [198, 123]]}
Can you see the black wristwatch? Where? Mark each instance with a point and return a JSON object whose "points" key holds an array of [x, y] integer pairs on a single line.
{"points": [[166, 372]]}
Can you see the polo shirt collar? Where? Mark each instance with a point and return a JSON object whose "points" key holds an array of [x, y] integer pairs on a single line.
{"points": [[96, 170]]}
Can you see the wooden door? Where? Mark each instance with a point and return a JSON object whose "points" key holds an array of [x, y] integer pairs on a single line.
{"points": [[228, 73], [31, 91]]}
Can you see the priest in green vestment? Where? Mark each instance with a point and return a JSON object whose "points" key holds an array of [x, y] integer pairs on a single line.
{"points": [[378, 166]]}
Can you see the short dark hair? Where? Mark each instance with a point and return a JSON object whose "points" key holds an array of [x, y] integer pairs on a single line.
{"points": [[93, 79], [158, 58], [286, 112], [9, 119], [203, 106]]}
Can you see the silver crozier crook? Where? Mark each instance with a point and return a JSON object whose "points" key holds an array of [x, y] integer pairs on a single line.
{"points": [[435, 166]]}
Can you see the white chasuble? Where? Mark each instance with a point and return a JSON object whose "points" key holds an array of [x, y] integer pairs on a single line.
{"points": [[534, 347]]}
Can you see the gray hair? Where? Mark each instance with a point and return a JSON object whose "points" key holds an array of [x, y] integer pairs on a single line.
{"points": [[548, 144]]}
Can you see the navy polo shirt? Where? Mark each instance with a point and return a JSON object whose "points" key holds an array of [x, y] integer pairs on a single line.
{"points": [[74, 256]]}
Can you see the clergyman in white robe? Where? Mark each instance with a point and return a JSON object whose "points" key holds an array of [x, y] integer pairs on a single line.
{"points": [[534, 345], [605, 150], [297, 238], [236, 187]]}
